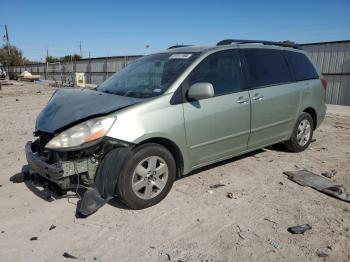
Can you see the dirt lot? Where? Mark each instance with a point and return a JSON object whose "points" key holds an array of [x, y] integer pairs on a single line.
{"points": [[195, 222]]}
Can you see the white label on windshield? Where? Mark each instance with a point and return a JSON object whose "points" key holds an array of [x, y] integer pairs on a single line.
{"points": [[180, 56]]}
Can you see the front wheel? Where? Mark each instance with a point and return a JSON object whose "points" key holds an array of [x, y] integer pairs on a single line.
{"points": [[147, 177], [302, 134]]}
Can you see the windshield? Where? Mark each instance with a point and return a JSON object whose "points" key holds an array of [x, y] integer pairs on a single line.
{"points": [[149, 76]]}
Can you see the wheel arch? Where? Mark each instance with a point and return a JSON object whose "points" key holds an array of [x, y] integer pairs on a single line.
{"points": [[172, 147], [312, 112]]}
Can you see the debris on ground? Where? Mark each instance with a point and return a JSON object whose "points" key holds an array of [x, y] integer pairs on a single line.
{"points": [[321, 254], [210, 192], [17, 99], [229, 195], [216, 186], [329, 174], [320, 183], [232, 195], [267, 219], [2, 231], [5, 83], [240, 234], [67, 255], [242, 231], [27, 76], [52, 227], [33, 238], [276, 244], [300, 229]]}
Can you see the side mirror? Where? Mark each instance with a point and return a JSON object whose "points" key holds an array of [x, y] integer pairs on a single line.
{"points": [[200, 91]]}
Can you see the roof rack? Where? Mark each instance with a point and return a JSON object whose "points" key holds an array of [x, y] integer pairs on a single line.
{"points": [[242, 41], [177, 46]]}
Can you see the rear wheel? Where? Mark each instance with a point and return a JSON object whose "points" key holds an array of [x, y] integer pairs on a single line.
{"points": [[147, 177], [302, 134]]}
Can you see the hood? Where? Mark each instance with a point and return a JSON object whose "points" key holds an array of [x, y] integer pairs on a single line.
{"points": [[68, 106]]}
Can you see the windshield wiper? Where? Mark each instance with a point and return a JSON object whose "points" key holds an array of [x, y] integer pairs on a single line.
{"points": [[114, 93]]}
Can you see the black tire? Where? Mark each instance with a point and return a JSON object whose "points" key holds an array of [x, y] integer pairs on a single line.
{"points": [[293, 144], [124, 184]]}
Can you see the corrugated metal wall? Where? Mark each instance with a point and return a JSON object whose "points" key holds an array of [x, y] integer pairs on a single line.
{"points": [[96, 70], [333, 60]]}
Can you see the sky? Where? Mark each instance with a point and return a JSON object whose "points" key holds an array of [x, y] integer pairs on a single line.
{"points": [[129, 27]]}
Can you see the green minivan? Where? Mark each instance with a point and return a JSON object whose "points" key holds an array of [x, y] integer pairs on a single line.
{"points": [[169, 113]]}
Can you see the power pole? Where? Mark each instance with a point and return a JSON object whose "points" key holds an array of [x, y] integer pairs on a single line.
{"points": [[47, 63], [81, 53], [7, 40]]}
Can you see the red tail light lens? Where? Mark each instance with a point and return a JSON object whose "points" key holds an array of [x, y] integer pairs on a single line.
{"points": [[324, 83]]}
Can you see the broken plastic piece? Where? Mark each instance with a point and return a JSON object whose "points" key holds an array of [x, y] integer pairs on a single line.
{"points": [[299, 229], [217, 185], [67, 255], [105, 184], [90, 203], [329, 174], [324, 185]]}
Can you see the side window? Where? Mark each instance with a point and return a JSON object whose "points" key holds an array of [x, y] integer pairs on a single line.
{"points": [[266, 67], [301, 65], [221, 69]]}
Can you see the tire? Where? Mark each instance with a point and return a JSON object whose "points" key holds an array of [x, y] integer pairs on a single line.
{"points": [[301, 138], [139, 184]]}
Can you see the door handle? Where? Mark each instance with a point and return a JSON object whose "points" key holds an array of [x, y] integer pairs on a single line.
{"points": [[242, 100], [257, 96]]}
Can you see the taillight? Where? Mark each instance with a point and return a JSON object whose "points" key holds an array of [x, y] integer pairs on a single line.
{"points": [[324, 83]]}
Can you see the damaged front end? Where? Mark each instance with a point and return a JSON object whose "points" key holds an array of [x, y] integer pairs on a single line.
{"points": [[69, 169]]}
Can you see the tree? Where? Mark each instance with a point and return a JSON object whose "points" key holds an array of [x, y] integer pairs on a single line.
{"points": [[69, 58], [52, 59], [12, 58]]}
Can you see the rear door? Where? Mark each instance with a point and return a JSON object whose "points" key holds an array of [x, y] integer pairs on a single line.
{"points": [[274, 96], [217, 127]]}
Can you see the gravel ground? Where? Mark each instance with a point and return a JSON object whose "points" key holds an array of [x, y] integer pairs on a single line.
{"points": [[194, 222]]}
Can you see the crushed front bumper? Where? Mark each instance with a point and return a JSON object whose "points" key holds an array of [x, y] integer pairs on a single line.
{"points": [[63, 168], [53, 172]]}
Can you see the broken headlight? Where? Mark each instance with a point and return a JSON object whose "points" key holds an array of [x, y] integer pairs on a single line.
{"points": [[87, 131]]}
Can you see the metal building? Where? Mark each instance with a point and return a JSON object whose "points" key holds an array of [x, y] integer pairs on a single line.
{"points": [[332, 58]]}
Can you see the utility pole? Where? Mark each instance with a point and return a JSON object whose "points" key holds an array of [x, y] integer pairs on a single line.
{"points": [[7, 40], [81, 53], [47, 63]]}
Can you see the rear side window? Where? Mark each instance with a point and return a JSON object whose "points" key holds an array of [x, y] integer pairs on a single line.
{"points": [[266, 67], [301, 65], [221, 69]]}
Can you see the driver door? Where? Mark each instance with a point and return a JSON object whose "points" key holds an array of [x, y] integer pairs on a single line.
{"points": [[217, 127]]}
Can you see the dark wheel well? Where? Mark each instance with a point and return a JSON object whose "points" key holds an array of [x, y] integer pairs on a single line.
{"points": [[172, 147], [313, 114]]}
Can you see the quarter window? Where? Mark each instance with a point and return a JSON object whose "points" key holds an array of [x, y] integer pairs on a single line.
{"points": [[301, 65], [221, 69], [266, 67]]}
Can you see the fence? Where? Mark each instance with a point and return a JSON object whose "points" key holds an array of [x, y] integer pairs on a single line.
{"points": [[96, 70], [333, 59]]}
